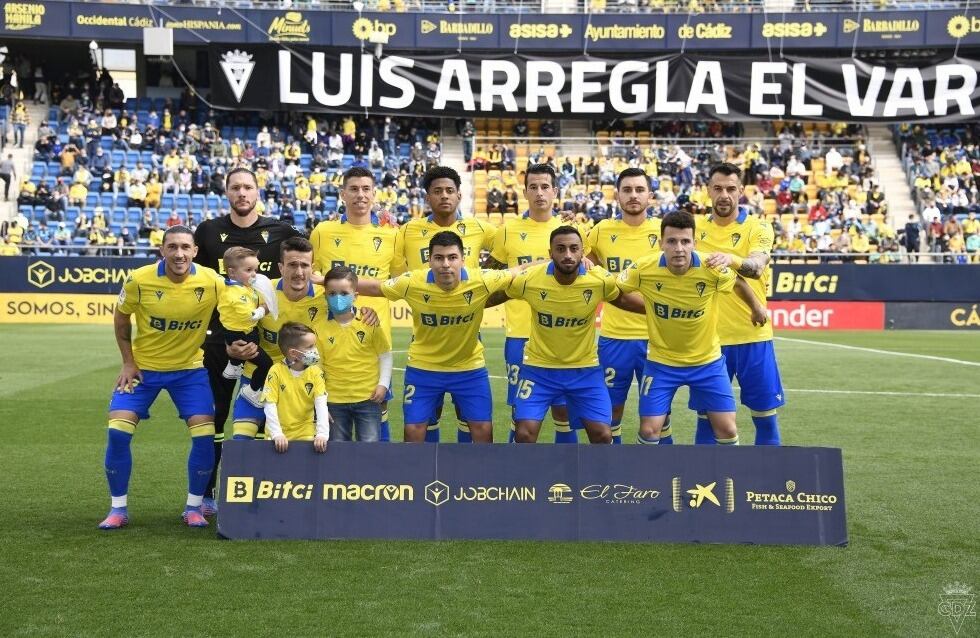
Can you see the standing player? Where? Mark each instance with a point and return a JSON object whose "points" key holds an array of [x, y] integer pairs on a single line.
{"points": [[358, 241], [742, 242], [616, 244], [521, 241], [560, 360], [173, 301], [442, 193], [243, 226], [680, 292], [446, 354]]}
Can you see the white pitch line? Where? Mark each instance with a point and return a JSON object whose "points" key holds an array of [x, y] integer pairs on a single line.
{"points": [[883, 393], [876, 351]]}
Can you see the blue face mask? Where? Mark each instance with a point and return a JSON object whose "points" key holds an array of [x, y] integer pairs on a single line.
{"points": [[340, 304]]}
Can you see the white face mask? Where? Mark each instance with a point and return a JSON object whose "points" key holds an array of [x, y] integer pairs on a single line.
{"points": [[310, 357]]}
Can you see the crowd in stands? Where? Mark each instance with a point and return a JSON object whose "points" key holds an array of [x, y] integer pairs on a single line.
{"points": [[942, 165], [111, 173]]}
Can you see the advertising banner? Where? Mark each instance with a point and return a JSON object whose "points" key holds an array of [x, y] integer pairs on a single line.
{"points": [[700, 494], [78, 275], [933, 316], [866, 282], [827, 315], [686, 86]]}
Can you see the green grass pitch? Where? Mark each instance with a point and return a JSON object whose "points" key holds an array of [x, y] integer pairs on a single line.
{"points": [[908, 427]]}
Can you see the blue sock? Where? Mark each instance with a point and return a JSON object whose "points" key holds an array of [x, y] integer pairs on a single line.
{"points": [[463, 433], [384, 432], [617, 432], [564, 433], [119, 461], [666, 438], [766, 428], [704, 435], [200, 462], [432, 432]]}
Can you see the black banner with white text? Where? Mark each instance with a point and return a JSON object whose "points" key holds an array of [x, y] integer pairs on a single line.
{"points": [[677, 86]]}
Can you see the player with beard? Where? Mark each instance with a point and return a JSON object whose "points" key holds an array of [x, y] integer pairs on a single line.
{"points": [[243, 226]]}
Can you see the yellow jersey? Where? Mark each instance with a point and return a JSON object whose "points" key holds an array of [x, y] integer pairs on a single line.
{"points": [[350, 358], [746, 234], [412, 248], [171, 319], [563, 326], [521, 241], [368, 250], [682, 310], [616, 245], [236, 305], [446, 324], [293, 392], [310, 310]]}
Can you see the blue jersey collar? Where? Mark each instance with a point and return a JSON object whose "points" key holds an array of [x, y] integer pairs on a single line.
{"points": [[310, 290], [374, 219], [431, 217], [551, 268], [430, 278], [162, 268], [695, 260]]}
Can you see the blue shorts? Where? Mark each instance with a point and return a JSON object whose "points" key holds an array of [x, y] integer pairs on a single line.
{"points": [[424, 391], [188, 389], [582, 388], [514, 358], [621, 360], [711, 389], [758, 375], [245, 411]]}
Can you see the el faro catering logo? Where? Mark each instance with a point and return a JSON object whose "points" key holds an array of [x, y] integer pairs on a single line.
{"points": [[20, 16], [289, 27]]}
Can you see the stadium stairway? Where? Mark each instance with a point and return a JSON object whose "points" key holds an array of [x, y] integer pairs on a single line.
{"points": [[23, 157], [891, 175], [580, 140], [452, 156]]}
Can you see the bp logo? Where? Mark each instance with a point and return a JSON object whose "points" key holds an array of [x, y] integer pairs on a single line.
{"points": [[40, 274], [958, 26]]}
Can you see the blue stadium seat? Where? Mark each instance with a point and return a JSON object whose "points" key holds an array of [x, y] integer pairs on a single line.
{"points": [[167, 201], [38, 172], [146, 157], [118, 158], [71, 213], [305, 160], [92, 200], [132, 157], [40, 212], [299, 219], [198, 202], [115, 228], [214, 202], [26, 211], [182, 201], [119, 216], [106, 200], [121, 200], [134, 213]]}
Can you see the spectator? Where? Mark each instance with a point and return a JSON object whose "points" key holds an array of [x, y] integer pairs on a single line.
{"points": [[136, 197], [468, 134], [8, 249], [495, 201], [7, 173], [62, 236], [511, 200], [21, 119]]}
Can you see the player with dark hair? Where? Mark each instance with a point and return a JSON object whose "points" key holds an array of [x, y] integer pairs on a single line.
{"points": [[443, 196], [560, 359], [173, 300], [243, 226], [360, 242], [741, 241], [446, 355], [520, 241], [680, 292], [617, 243]]}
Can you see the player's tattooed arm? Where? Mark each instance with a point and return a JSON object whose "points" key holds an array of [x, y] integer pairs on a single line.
{"points": [[496, 299], [750, 267], [744, 292], [492, 264]]}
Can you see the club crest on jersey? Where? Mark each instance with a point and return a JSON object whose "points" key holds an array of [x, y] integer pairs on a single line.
{"points": [[312, 312], [377, 244], [223, 237], [360, 335], [700, 286], [425, 298], [735, 239], [523, 236], [199, 293], [461, 227], [308, 387], [652, 239], [468, 296], [659, 285], [336, 241], [544, 294], [613, 238], [159, 295], [265, 236], [587, 295]]}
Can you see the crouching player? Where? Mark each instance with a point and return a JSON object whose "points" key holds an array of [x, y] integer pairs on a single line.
{"points": [[295, 391], [173, 301]]}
